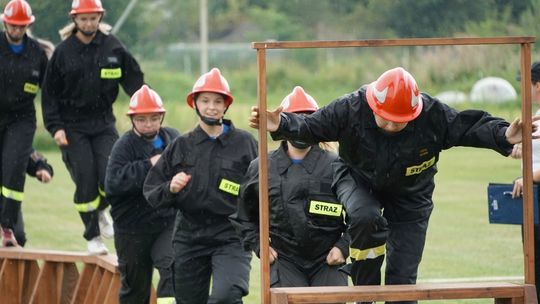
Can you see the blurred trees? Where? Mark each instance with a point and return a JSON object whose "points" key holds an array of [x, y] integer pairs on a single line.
{"points": [[158, 22]]}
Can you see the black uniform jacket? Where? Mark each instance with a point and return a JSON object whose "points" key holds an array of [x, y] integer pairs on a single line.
{"points": [[217, 167], [21, 76], [82, 80], [398, 168], [306, 219], [127, 168]]}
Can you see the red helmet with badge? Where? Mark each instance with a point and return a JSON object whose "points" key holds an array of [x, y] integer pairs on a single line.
{"points": [[213, 82], [299, 101], [86, 7], [145, 101], [18, 12], [394, 96]]}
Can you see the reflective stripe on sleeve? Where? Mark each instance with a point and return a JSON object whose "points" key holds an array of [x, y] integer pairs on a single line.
{"points": [[89, 206], [12, 194], [369, 253], [101, 192]]}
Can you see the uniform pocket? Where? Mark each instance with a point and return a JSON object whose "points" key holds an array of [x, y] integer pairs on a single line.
{"points": [[31, 84], [414, 161], [230, 177], [322, 207], [110, 68]]}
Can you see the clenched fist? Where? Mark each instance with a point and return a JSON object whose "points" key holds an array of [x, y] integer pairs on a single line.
{"points": [[179, 181]]}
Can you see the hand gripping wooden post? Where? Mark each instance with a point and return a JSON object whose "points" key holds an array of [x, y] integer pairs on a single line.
{"points": [[501, 292]]}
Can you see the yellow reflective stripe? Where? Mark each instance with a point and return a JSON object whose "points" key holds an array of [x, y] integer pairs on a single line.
{"points": [[12, 194], [31, 88], [88, 207], [324, 208], [412, 170], [111, 73], [229, 186], [369, 253], [101, 192], [166, 300]]}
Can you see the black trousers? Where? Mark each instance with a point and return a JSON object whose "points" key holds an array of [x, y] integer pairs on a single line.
{"points": [[369, 228], [89, 146], [18, 230], [285, 273], [15, 148], [228, 265], [138, 255]]}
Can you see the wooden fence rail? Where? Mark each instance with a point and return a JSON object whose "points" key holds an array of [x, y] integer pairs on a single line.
{"points": [[502, 293], [53, 277]]}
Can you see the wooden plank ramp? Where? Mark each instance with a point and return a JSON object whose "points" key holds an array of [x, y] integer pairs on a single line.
{"points": [[58, 277], [501, 293]]}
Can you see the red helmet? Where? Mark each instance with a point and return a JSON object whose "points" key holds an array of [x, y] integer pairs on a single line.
{"points": [[18, 12], [145, 101], [395, 96], [86, 7], [299, 101], [211, 82]]}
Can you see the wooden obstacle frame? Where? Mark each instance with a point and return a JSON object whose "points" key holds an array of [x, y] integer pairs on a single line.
{"points": [[58, 277], [501, 292]]}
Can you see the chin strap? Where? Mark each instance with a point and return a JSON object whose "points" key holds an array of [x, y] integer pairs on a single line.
{"points": [[299, 144], [209, 121], [85, 33], [148, 136]]}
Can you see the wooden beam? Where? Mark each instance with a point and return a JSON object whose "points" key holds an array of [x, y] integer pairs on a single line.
{"points": [[434, 291], [391, 42]]}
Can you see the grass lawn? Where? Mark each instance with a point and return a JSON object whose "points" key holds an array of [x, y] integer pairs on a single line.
{"points": [[461, 243]]}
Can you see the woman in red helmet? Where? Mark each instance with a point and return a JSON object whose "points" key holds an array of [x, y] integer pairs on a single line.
{"points": [[200, 175], [390, 136], [82, 83], [307, 245], [22, 68], [143, 235]]}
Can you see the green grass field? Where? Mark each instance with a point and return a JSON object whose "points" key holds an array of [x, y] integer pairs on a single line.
{"points": [[461, 243]]}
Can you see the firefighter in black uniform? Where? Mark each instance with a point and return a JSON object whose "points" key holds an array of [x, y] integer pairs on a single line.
{"points": [[390, 137], [80, 87], [307, 245], [39, 168], [22, 68], [200, 175], [143, 235]]}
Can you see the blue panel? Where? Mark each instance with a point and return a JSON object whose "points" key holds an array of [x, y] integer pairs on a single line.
{"points": [[503, 209]]}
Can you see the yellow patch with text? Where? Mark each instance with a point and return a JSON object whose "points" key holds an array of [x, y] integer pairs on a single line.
{"points": [[324, 208], [111, 73], [412, 170], [229, 186], [30, 88]]}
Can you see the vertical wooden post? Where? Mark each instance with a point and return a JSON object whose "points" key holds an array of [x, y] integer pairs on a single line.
{"points": [[263, 180], [203, 25], [528, 209]]}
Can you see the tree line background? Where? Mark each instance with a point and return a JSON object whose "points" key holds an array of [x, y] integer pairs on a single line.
{"points": [[155, 27], [153, 24], [164, 35]]}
